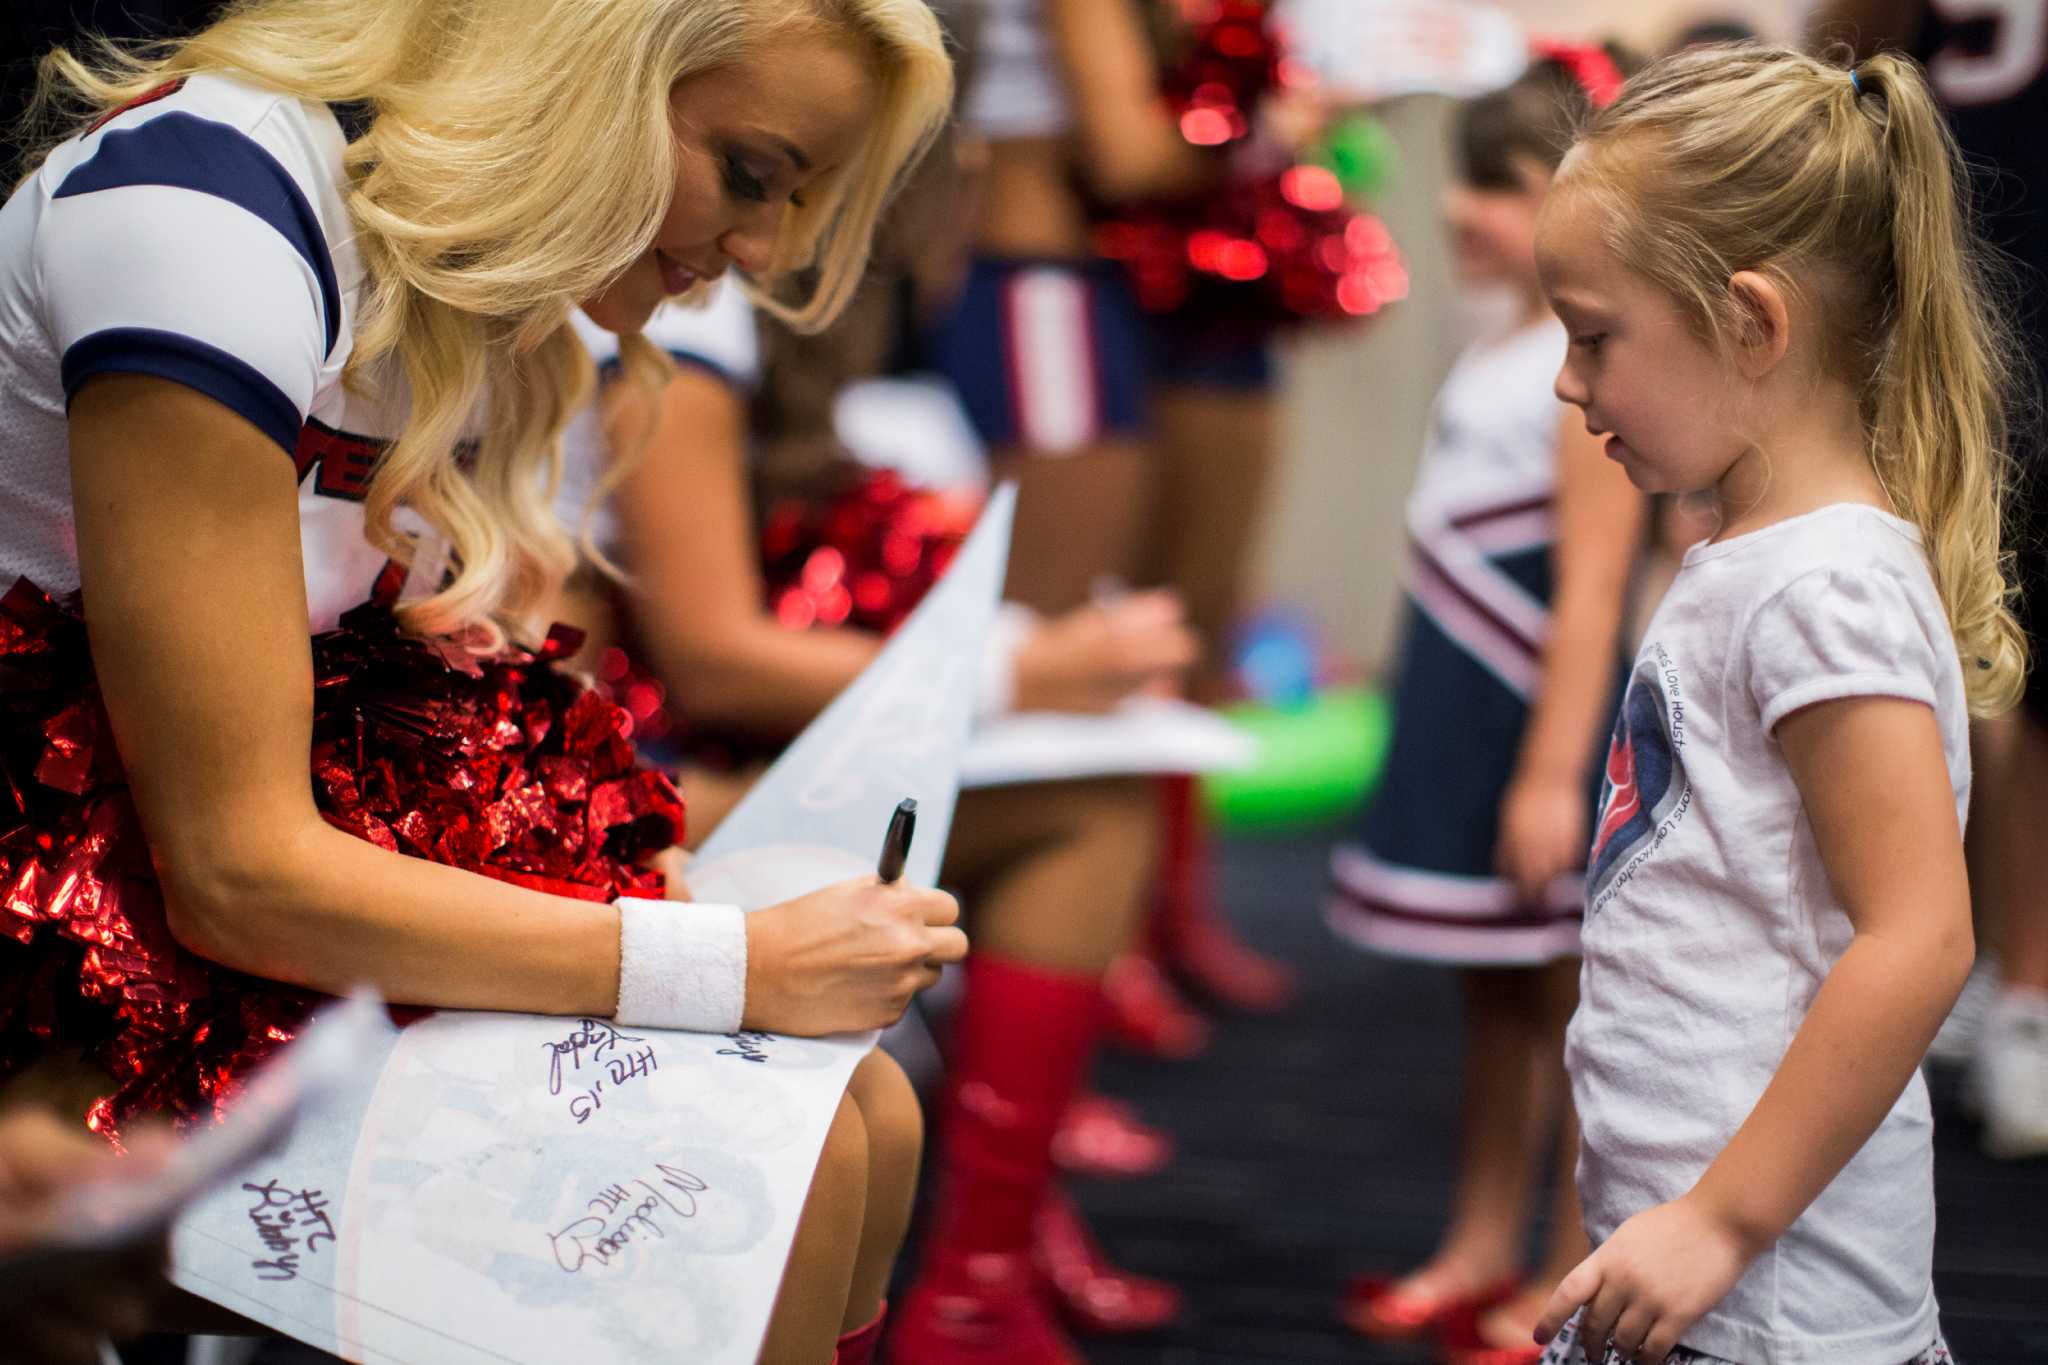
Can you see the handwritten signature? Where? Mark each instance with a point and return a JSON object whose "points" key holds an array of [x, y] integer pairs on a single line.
{"points": [[621, 1069], [594, 1036], [747, 1046], [287, 1222], [622, 1214]]}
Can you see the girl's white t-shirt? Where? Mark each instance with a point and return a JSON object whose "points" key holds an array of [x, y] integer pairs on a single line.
{"points": [[1710, 922]]}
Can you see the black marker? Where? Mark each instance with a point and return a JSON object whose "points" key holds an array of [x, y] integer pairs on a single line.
{"points": [[896, 843]]}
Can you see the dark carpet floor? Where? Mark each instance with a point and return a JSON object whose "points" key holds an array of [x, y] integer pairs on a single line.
{"points": [[1317, 1144]]}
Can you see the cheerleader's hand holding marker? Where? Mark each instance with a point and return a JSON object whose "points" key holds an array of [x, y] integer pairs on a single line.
{"points": [[848, 957], [843, 959]]}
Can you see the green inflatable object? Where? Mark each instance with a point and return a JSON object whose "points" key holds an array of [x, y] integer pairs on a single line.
{"points": [[1362, 153], [1317, 762]]}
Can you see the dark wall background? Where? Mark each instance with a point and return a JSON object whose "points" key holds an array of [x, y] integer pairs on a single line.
{"points": [[28, 28]]}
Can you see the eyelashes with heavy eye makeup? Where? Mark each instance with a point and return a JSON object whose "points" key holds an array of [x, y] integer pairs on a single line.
{"points": [[743, 183]]}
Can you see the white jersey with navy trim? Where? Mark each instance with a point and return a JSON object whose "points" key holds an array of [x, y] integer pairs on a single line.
{"points": [[198, 235], [719, 337], [1017, 89], [716, 334], [1486, 488]]}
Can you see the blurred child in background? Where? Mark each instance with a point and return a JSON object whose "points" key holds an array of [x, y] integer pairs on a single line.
{"points": [[1471, 853]]}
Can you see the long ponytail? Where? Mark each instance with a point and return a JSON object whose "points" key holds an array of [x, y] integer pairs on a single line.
{"points": [[1846, 187], [1939, 421]]}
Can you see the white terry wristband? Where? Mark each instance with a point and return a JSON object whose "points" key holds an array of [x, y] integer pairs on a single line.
{"points": [[1014, 624], [682, 965]]}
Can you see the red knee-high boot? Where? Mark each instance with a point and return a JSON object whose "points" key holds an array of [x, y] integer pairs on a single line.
{"points": [[1097, 1296], [1147, 1012], [1103, 1137], [1189, 933], [859, 1348], [1021, 1042]]}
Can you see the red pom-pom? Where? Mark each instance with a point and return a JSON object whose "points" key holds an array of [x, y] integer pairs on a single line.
{"points": [[505, 767], [1261, 251], [865, 558]]}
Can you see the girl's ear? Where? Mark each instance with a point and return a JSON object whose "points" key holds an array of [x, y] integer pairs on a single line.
{"points": [[1763, 322]]}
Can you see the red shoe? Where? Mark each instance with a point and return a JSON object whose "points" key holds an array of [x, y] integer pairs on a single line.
{"points": [[1021, 1043], [1374, 1307], [988, 1309], [1095, 1295], [859, 1348], [1104, 1137], [1460, 1342], [1147, 1015], [1189, 934]]}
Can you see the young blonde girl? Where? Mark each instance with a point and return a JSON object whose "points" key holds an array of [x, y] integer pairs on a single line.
{"points": [[1766, 265]]}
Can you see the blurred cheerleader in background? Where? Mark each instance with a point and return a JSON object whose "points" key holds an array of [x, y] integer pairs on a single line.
{"points": [[745, 635]]}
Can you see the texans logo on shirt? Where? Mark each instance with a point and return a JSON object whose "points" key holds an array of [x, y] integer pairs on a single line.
{"points": [[340, 461], [1644, 783]]}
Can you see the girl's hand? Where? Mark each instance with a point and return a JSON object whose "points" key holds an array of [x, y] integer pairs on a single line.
{"points": [[847, 957], [1093, 657], [1645, 1286], [1542, 832]]}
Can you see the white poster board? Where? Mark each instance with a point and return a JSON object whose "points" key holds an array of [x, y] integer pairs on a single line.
{"points": [[1143, 735], [531, 1190], [1365, 50]]}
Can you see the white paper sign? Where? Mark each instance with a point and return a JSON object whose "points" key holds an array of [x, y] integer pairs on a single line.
{"points": [[1376, 49], [531, 1190], [1144, 735]]}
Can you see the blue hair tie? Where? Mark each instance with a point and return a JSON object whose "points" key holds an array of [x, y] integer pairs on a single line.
{"points": [[1855, 81]]}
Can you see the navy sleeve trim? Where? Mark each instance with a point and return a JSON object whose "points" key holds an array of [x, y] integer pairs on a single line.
{"points": [[184, 151], [611, 369], [228, 380], [716, 369]]}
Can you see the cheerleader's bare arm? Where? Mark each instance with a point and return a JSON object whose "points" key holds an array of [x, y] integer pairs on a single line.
{"points": [[1130, 146], [190, 568], [728, 661]]}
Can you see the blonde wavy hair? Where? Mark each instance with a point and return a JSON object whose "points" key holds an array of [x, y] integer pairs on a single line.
{"points": [[520, 157], [1852, 197]]}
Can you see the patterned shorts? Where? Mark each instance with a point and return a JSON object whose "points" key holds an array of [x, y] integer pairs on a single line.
{"points": [[1563, 1350]]}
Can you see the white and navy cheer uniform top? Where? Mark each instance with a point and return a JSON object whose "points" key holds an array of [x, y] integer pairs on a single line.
{"points": [[1420, 880], [198, 235], [716, 335], [1017, 89]]}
